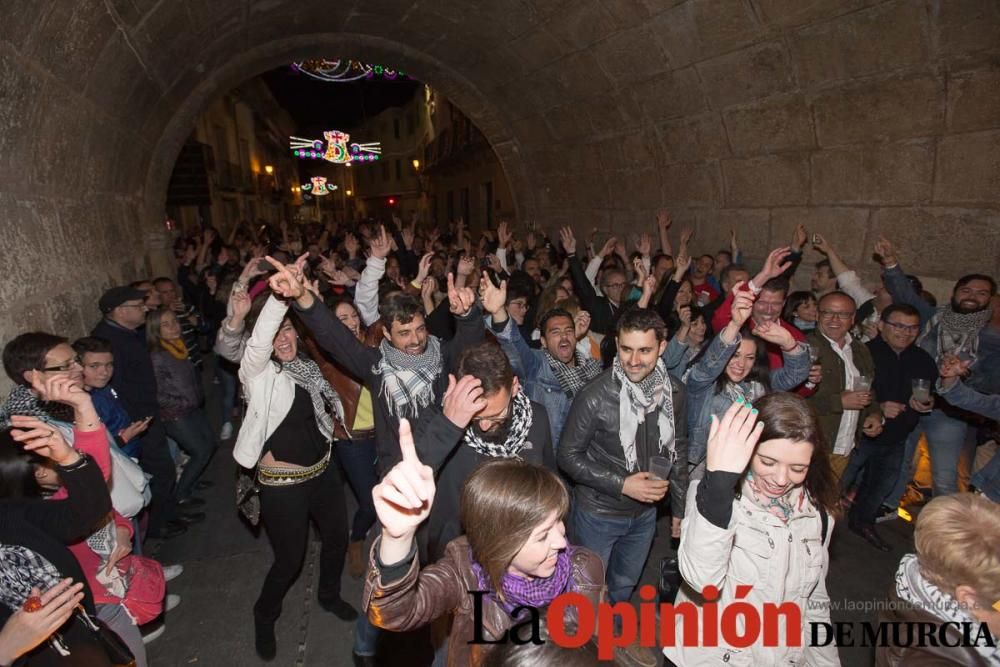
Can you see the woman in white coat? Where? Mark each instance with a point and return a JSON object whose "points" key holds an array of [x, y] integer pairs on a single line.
{"points": [[287, 435], [757, 528]]}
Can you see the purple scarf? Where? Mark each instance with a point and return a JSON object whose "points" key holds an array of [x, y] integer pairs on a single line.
{"points": [[528, 592]]}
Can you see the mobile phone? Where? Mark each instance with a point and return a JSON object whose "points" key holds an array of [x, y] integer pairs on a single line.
{"points": [[815, 239], [264, 265]]}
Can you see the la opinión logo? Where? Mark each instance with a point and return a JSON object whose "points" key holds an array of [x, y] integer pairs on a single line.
{"points": [[738, 624]]}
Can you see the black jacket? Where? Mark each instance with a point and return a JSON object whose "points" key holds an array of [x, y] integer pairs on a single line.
{"points": [[894, 376], [134, 379], [590, 450], [444, 450], [602, 312], [359, 360]]}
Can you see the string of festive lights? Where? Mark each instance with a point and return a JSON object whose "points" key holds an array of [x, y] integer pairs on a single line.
{"points": [[345, 71], [338, 149]]}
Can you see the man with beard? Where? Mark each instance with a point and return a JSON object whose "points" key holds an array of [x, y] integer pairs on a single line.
{"points": [[492, 418], [554, 374], [406, 373], [959, 329], [632, 412]]}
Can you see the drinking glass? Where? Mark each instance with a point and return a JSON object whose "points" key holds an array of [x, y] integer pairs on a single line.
{"points": [[862, 383], [921, 390], [659, 467]]}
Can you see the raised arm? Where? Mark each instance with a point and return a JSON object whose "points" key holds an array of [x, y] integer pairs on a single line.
{"points": [[897, 283], [663, 222], [259, 347], [846, 278], [366, 291]]}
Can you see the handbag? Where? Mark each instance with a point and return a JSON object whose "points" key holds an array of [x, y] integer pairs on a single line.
{"points": [[146, 588], [248, 494], [129, 486], [119, 654]]}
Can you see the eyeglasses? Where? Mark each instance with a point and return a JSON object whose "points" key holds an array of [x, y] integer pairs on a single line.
{"points": [[835, 314], [498, 419], [908, 328], [75, 361]]}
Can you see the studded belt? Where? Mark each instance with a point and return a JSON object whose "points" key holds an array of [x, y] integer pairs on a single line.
{"points": [[280, 476]]}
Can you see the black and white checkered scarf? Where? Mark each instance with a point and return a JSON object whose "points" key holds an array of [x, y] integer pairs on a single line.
{"points": [[408, 379], [306, 374], [653, 394], [954, 333], [22, 401], [511, 447], [574, 378]]}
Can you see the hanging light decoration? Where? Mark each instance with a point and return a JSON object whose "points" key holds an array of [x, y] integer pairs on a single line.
{"points": [[344, 71], [318, 187], [338, 150]]}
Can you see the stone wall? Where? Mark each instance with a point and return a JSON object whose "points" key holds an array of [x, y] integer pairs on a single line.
{"points": [[852, 116]]}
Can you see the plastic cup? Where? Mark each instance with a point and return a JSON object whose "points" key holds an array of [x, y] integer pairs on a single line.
{"points": [[922, 390], [659, 467]]}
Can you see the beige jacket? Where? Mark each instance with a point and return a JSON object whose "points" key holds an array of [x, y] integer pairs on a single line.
{"points": [[783, 563]]}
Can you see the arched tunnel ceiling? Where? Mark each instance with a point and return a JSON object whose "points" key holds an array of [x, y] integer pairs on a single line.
{"points": [[853, 116]]}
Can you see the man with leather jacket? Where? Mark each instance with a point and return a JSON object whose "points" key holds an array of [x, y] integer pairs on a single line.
{"points": [[631, 412]]}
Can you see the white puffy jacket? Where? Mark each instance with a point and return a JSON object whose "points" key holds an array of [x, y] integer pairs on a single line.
{"points": [[783, 562]]}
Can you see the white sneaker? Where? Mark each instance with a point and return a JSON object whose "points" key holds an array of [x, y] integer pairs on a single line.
{"points": [[149, 637], [172, 601], [227, 431], [171, 572]]}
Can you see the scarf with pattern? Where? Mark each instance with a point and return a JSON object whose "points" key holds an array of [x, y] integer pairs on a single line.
{"points": [[574, 378], [22, 401], [653, 394], [517, 591], [510, 448], [408, 379], [954, 333], [782, 507], [307, 375]]}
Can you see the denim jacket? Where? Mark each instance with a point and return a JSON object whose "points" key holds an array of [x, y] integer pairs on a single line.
{"points": [[540, 382], [704, 401]]}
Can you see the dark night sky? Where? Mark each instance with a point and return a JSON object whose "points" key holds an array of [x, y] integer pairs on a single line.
{"points": [[320, 105]]}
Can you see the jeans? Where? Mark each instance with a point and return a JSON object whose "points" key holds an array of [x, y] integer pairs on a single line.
{"points": [[987, 479], [118, 620], [622, 542], [881, 467], [358, 459], [855, 471], [155, 460], [949, 451], [365, 636], [906, 469], [194, 435], [227, 381], [285, 512]]}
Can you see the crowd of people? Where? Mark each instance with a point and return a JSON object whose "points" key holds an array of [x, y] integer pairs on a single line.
{"points": [[513, 413]]}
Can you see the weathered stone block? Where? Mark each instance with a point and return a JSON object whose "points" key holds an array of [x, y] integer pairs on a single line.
{"points": [[580, 77], [893, 173], [71, 37], [693, 139], [581, 24], [537, 49], [925, 236], [773, 125], [789, 13], [968, 168], [692, 184], [846, 229], [636, 188], [974, 98], [774, 180], [743, 76], [631, 55], [884, 38], [639, 148], [752, 232], [966, 26], [670, 95], [894, 108], [566, 122], [701, 29]]}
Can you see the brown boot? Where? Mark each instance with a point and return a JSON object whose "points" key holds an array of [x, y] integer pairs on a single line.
{"points": [[355, 559]]}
